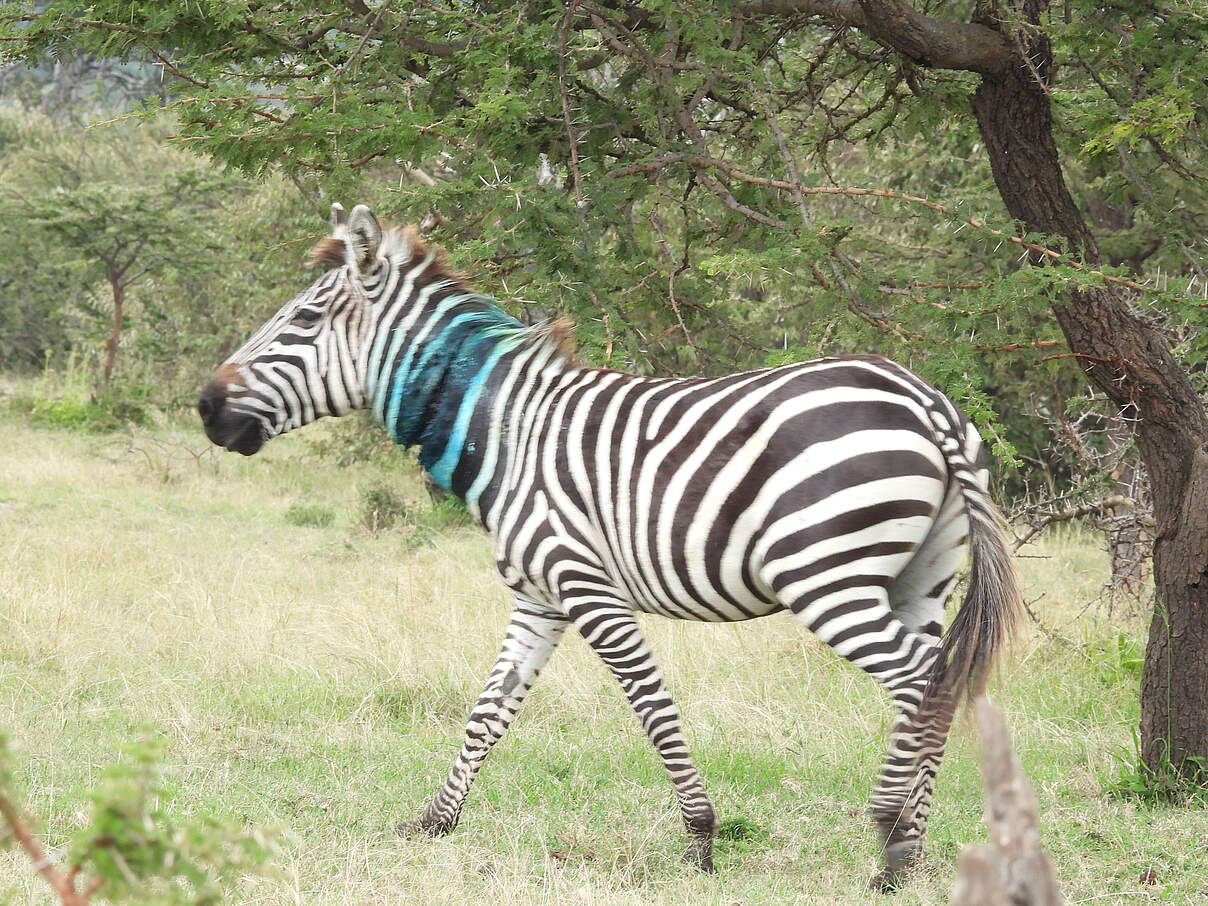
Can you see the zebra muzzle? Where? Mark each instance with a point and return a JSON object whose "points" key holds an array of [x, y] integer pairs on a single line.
{"points": [[234, 430]]}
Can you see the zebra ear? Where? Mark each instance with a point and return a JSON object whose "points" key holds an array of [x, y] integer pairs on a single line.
{"points": [[338, 217], [364, 236]]}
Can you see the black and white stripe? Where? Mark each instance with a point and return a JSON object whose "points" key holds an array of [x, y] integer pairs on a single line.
{"points": [[844, 491]]}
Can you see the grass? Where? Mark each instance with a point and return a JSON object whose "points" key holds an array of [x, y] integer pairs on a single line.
{"points": [[309, 675]]}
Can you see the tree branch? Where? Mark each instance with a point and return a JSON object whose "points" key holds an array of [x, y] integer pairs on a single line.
{"points": [[398, 36], [63, 885], [1112, 502], [704, 162], [924, 40], [571, 140]]}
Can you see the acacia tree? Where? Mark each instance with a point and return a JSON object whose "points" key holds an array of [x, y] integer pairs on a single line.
{"points": [[126, 235], [653, 167], [115, 214]]}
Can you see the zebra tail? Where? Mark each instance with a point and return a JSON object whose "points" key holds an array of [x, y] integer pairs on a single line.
{"points": [[992, 604]]}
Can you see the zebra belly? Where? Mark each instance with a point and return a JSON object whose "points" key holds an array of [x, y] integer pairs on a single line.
{"points": [[713, 610], [560, 556], [674, 594]]}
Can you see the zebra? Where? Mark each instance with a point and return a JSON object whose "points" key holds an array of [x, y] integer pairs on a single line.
{"points": [[845, 490]]}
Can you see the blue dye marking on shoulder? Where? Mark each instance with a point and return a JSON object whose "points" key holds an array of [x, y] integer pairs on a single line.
{"points": [[442, 470], [453, 363]]}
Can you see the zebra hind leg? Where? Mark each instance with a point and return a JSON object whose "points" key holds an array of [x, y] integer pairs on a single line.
{"points": [[532, 635], [860, 626], [611, 630], [901, 802]]}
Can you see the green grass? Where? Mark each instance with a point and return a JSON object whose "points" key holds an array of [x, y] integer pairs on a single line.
{"points": [[312, 676]]}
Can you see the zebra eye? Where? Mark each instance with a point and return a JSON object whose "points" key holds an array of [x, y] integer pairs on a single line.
{"points": [[307, 316]]}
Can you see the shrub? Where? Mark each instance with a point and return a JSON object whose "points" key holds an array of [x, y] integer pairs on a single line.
{"points": [[110, 411], [133, 849], [382, 508], [72, 415], [355, 438], [313, 514]]}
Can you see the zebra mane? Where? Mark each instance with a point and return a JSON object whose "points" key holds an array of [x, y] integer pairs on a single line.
{"points": [[405, 247], [556, 333], [402, 245]]}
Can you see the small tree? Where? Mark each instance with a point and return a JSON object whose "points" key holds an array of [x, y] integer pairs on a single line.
{"points": [[117, 214], [133, 850]]}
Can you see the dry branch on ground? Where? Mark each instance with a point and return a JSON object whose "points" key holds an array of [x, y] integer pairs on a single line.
{"points": [[1013, 870]]}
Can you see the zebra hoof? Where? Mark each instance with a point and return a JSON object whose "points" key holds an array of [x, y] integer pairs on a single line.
{"points": [[900, 859], [700, 855], [885, 881], [419, 830]]}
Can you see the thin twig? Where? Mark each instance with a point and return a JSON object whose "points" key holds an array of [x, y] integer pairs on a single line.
{"points": [[1054, 636], [571, 140], [702, 162], [63, 885], [1075, 512]]}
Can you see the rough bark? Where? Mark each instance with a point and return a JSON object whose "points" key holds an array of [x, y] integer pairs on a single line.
{"points": [[1129, 540], [1174, 683], [936, 43], [115, 331]]}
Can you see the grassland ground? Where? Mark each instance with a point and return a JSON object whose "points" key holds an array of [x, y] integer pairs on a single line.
{"points": [[310, 676]]}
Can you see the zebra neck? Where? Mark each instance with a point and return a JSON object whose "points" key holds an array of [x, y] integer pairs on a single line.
{"points": [[519, 389], [442, 380]]}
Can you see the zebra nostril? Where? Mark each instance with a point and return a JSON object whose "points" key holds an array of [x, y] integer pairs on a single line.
{"points": [[210, 404]]}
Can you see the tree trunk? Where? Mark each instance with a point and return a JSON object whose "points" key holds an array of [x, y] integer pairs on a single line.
{"points": [[1128, 540], [1129, 359], [115, 332]]}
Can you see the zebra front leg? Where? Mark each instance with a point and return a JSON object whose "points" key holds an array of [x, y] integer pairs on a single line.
{"points": [[532, 635], [613, 633]]}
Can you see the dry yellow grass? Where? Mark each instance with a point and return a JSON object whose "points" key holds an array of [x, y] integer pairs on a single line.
{"points": [[315, 679]]}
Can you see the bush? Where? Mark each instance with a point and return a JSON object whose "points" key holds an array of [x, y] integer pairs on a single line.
{"points": [[106, 414], [133, 848], [447, 513], [65, 400], [355, 438], [72, 415], [312, 514], [382, 508]]}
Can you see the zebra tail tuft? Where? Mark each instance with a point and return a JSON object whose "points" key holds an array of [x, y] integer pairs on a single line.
{"points": [[990, 611]]}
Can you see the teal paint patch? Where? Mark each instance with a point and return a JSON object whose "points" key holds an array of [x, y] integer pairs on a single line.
{"points": [[397, 382], [438, 383], [442, 470]]}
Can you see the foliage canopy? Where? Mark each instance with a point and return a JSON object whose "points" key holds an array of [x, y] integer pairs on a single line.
{"points": [[639, 165]]}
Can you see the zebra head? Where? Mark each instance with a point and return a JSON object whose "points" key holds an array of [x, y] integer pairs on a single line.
{"points": [[310, 359]]}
